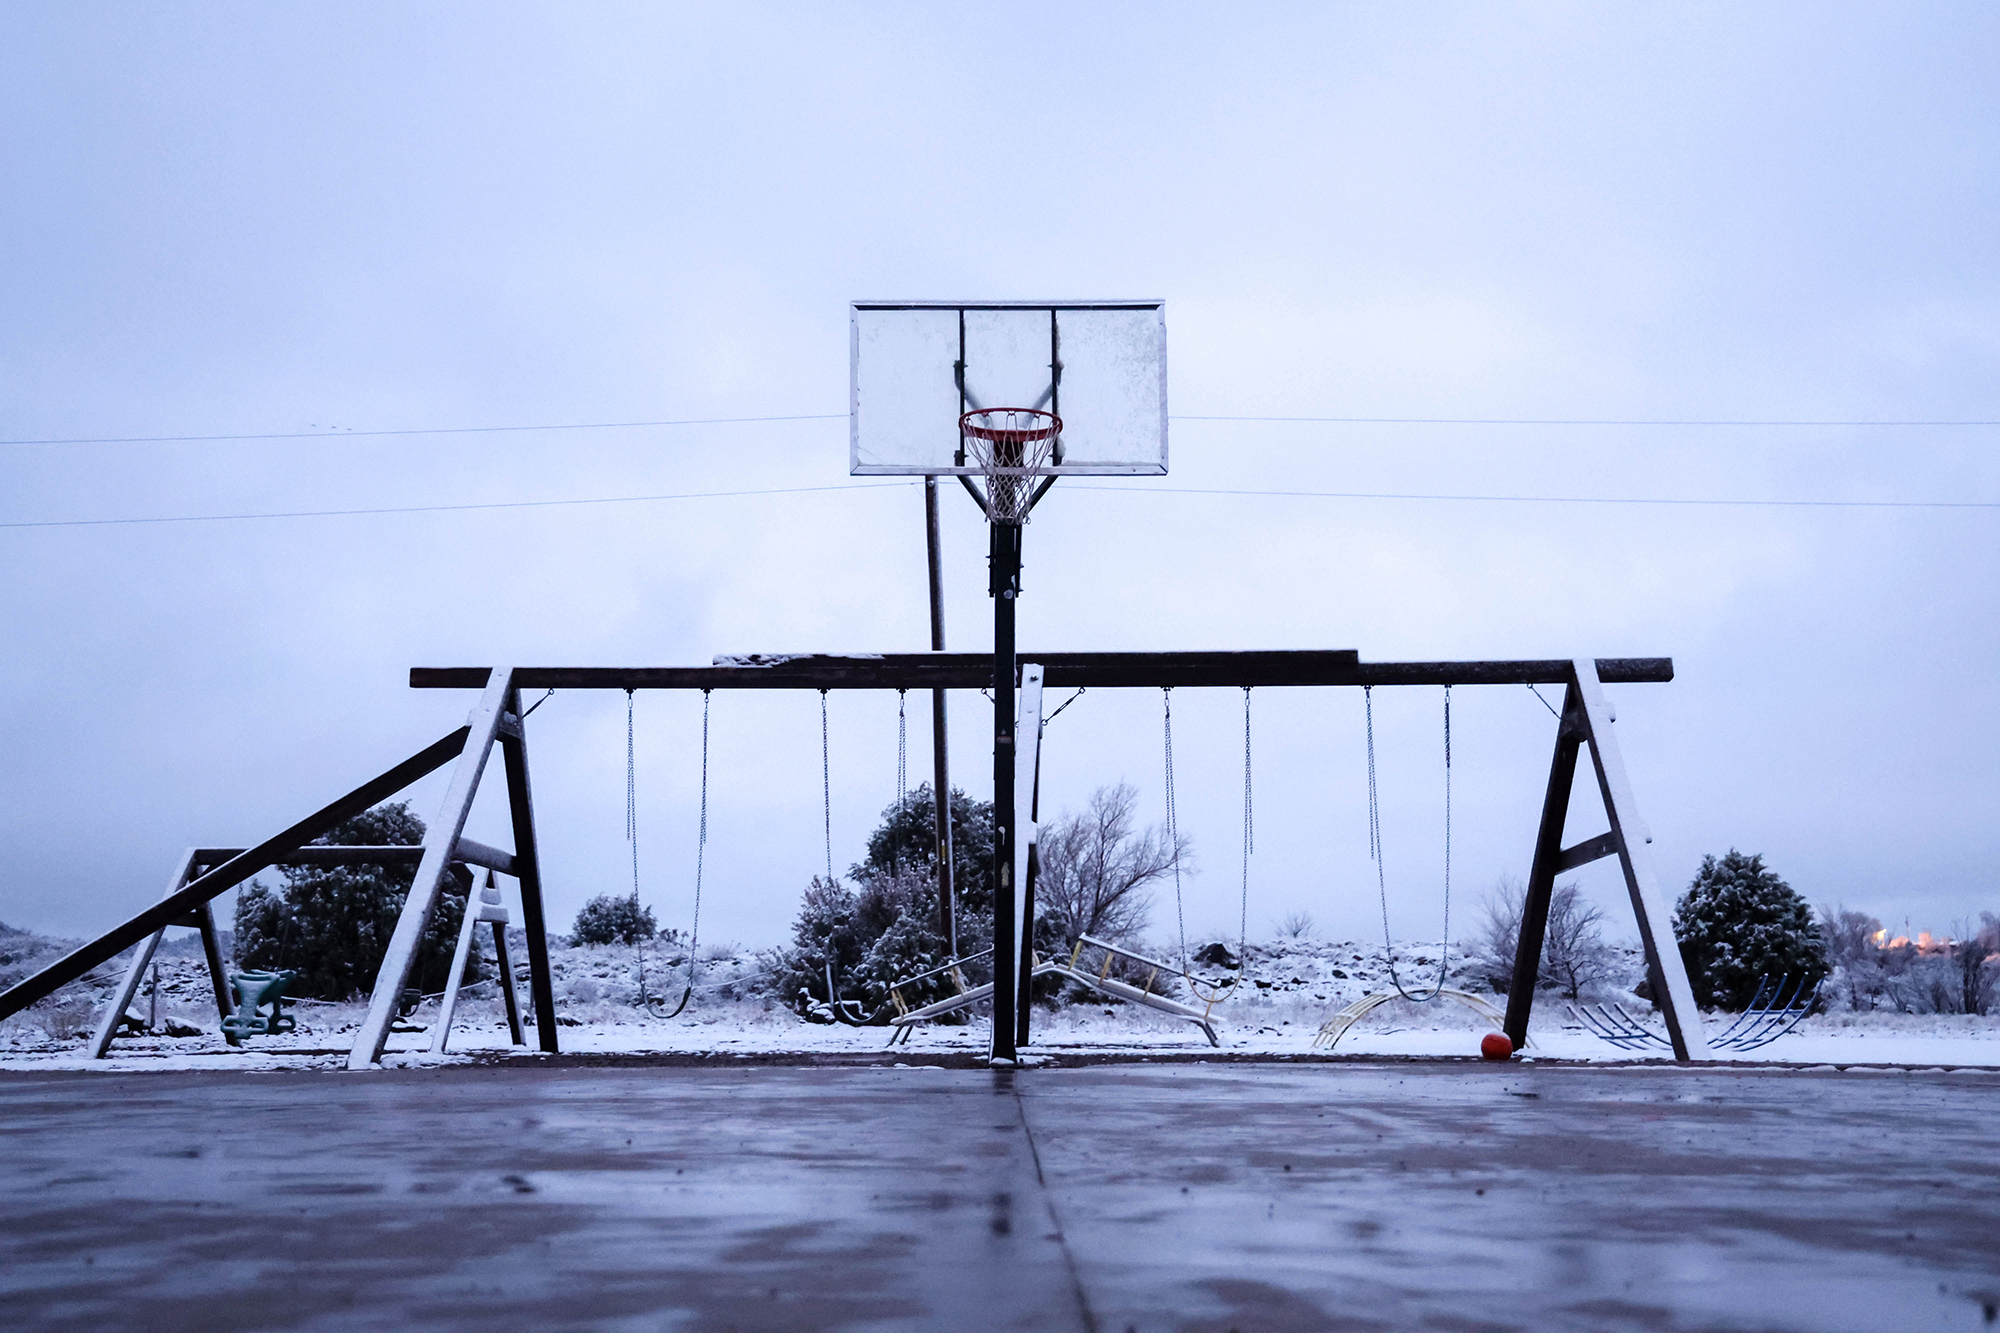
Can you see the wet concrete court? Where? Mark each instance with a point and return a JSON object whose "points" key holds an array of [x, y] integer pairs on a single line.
{"points": [[1269, 1198]]}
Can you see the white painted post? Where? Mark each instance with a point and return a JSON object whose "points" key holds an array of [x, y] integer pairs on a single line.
{"points": [[1671, 991], [441, 1033], [483, 726], [107, 1027], [1027, 755]]}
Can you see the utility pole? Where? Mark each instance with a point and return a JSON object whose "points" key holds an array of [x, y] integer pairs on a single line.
{"points": [[941, 769]]}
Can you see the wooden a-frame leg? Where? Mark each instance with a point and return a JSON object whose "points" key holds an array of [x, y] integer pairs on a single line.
{"points": [[1542, 874], [439, 844], [121, 1000], [1672, 994], [218, 966], [528, 871], [506, 966]]}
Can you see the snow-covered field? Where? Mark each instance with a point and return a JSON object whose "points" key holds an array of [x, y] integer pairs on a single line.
{"points": [[1298, 985]]}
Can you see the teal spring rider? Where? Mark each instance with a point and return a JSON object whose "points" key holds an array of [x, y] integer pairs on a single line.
{"points": [[260, 1006]]}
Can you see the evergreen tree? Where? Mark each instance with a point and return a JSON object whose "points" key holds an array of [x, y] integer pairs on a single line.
{"points": [[1738, 923], [884, 925], [907, 837], [331, 924]]}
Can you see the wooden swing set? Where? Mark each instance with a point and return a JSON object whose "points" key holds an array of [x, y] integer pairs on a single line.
{"points": [[498, 720]]}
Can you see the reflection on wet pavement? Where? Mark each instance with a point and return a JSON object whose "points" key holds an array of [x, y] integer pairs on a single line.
{"points": [[1184, 1197]]}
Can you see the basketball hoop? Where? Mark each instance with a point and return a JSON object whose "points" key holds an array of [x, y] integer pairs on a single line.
{"points": [[1012, 446]]}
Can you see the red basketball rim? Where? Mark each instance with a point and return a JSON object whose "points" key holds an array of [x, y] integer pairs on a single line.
{"points": [[1046, 425]]}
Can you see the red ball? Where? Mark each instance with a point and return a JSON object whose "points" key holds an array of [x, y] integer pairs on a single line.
{"points": [[1495, 1046]]}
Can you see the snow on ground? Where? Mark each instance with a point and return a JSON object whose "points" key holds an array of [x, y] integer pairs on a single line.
{"points": [[1296, 986]]}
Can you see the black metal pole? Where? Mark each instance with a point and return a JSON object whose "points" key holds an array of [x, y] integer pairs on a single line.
{"points": [[941, 770], [1005, 587]]}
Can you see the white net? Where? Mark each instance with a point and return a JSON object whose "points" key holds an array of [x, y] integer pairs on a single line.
{"points": [[1013, 448]]}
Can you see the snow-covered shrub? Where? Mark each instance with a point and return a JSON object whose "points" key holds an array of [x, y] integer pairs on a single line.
{"points": [[1978, 958], [1857, 977], [865, 938], [1739, 922], [614, 919], [885, 927]]}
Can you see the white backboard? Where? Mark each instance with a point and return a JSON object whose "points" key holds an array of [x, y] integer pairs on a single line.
{"points": [[1099, 365]]}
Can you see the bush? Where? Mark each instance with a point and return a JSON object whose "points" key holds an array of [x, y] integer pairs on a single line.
{"points": [[885, 926], [1974, 955], [866, 938], [331, 924], [1854, 958], [1739, 922], [614, 919]]}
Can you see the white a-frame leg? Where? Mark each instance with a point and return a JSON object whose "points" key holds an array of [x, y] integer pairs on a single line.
{"points": [[482, 906], [495, 718], [1027, 856], [201, 918], [1587, 719]]}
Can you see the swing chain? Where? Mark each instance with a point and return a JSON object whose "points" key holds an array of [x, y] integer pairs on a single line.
{"points": [[902, 779], [631, 799], [632, 838], [700, 846], [1249, 847], [1444, 947], [1173, 821], [700, 855], [1375, 852], [902, 750], [826, 784]]}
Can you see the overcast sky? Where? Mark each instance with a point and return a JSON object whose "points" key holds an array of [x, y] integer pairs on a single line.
{"points": [[256, 219]]}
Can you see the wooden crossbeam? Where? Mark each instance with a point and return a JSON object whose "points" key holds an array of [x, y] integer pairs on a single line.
{"points": [[468, 850], [1591, 849], [972, 671]]}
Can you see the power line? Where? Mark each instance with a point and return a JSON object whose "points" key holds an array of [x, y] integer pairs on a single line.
{"points": [[336, 434], [1691, 422], [444, 509], [1078, 486], [1549, 499], [1582, 421]]}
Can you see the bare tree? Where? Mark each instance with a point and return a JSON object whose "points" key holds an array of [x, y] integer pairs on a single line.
{"points": [[1095, 867], [1975, 949], [1853, 956], [1575, 957], [1492, 947], [1296, 925]]}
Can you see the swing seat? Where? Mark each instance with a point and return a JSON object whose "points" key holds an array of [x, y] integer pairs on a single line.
{"points": [[405, 1008], [1331, 1031], [260, 1006], [965, 999]]}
